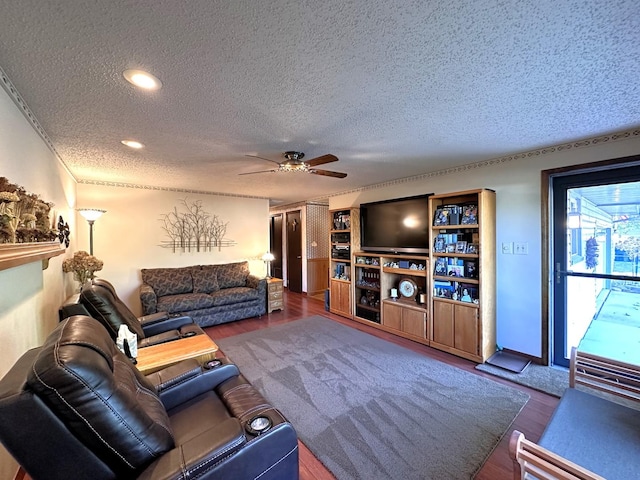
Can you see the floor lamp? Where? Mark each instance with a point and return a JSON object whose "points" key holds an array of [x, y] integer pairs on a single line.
{"points": [[91, 214]]}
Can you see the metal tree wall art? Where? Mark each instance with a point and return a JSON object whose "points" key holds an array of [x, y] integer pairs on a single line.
{"points": [[194, 229]]}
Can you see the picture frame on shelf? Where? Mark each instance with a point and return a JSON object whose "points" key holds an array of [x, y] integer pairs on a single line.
{"points": [[439, 245], [467, 293], [453, 214], [440, 266], [461, 246], [450, 248], [470, 269], [442, 289], [469, 215], [472, 248], [440, 217]]}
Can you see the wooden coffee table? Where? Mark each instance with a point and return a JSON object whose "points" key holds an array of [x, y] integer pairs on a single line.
{"points": [[156, 357]]}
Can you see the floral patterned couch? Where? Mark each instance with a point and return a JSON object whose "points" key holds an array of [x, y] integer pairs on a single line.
{"points": [[209, 294]]}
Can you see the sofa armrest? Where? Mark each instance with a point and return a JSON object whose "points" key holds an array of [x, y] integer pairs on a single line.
{"points": [[188, 379], [258, 283], [160, 322], [163, 337], [149, 299], [530, 458], [195, 457]]}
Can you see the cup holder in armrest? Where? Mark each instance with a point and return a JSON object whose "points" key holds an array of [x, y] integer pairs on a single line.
{"points": [[211, 364], [259, 425], [189, 334]]}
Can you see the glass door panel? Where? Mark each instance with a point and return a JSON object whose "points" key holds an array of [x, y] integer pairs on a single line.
{"points": [[596, 254]]}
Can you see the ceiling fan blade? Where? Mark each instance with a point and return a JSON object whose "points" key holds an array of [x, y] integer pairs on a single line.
{"points": [[262, 158], [328, 173], [321, 160], [261, 171]]}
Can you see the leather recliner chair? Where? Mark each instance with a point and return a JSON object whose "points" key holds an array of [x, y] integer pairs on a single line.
{"points": [[98, 299], [77, 408]]}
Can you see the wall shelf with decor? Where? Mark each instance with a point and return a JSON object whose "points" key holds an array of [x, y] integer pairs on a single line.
{"points": [[344, 239], [463, 309], [396, 284], [16, 254], [366, 287]]}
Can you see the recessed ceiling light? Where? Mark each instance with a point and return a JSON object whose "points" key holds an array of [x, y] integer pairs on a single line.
{"points": [[142, 79], [132, 143]]}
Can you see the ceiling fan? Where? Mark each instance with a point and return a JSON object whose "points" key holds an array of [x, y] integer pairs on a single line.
{"points": [[294, 163]]}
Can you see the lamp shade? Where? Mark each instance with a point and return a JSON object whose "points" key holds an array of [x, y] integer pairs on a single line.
{"points": [[268, 257], [91, 214]]}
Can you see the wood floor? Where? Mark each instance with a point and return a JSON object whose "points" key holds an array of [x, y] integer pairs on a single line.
{"points": [[531, 420]]}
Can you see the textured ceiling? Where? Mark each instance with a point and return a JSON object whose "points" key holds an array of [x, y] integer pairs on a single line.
{"points": [[393, 88]]}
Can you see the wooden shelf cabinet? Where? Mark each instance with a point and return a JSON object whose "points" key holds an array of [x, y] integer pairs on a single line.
{"points": [[345, 239], [463, 256]]}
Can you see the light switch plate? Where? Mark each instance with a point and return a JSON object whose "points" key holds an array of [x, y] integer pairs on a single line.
{"points": [[507, 248], [521, 248]]}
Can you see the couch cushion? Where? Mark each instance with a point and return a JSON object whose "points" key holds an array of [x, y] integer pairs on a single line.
{"points": [[184, 302], [205, 280], [231, 274], [229, 296], [168, 281], [596, 433], [100, 396]]}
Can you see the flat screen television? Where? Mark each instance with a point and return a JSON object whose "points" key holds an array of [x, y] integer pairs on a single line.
{"points": [[396, 226]]}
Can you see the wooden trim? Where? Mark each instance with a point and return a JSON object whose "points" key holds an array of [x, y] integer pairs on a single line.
{"points": [[16, 254], [545, 254]]}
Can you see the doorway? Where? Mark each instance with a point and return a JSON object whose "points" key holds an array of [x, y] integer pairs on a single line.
{"points": [[595, 251], [294, 252], [275, 241]]}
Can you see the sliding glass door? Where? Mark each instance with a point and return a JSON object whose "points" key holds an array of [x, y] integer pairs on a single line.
{"points": [[596, 255]]}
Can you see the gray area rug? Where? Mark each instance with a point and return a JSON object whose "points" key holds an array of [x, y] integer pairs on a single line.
{"points": [[369, 409], [551, 380]]}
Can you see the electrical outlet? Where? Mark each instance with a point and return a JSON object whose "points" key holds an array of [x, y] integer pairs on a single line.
{"points": [[521, 248], [507, 248]]}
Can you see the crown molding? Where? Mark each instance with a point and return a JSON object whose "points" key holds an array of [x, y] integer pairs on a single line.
{"points": [[10, 88], [589, 142], [166, 189]]}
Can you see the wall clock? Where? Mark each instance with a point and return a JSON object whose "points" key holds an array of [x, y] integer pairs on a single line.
{"points": [[408, 288]]}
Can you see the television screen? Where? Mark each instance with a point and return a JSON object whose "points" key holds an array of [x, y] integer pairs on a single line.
{"points": [[396, 226]]}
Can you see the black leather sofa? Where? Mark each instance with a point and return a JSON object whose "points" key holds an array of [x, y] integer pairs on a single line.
{"points": [[98, 299], [77, 408]]}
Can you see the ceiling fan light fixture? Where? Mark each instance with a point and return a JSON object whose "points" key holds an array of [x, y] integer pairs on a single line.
{"points": [[142, 79], [132, 144], [294, 167]]}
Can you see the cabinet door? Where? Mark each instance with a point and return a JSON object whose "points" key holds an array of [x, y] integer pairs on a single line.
{"points": [[443, 317], [392, 316], [413, 322], [340, 298], [466, 329]]}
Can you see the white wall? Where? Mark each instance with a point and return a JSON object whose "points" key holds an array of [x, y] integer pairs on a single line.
{"points": [[518, 219], [128, 237], [29, 296]]}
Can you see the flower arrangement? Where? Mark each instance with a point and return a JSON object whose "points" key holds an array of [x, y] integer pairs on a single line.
{"points": [[82, 265]]}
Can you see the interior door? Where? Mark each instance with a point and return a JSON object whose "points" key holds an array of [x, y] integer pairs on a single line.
{"points": [[294, 252], [275, 238], [595, 254]]}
